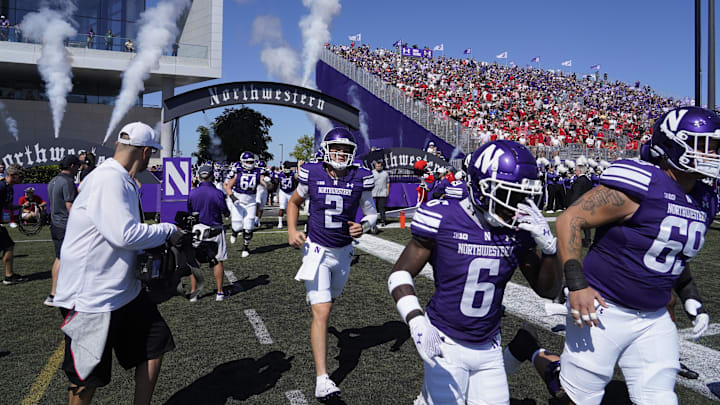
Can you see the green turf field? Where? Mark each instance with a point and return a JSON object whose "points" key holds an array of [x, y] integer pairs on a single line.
{"points": [[219, 359]]}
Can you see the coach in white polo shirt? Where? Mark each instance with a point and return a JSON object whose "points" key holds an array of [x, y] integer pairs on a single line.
{"points": [[104, 233]]}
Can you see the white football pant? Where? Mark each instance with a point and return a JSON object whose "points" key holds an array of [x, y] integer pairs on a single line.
{"points": [[242, 212], [644, 344], [472, 374]]}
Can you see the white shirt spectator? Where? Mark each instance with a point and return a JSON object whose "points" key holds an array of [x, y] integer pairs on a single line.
{"points": [[104, 234]]}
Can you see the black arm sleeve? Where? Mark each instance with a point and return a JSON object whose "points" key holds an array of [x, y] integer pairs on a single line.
{"points": [[686, 288]]}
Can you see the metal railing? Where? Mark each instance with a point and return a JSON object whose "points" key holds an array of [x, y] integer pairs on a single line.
{"points": [[449, 129], [112, 43]]}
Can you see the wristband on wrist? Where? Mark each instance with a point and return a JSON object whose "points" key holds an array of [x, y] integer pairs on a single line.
{"points": [[574, 276]]}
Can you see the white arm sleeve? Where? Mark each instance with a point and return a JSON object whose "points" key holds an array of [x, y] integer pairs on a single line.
{"points": [[303, 190], [367, 204]]}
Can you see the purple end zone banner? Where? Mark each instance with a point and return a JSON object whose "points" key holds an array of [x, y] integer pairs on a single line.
{"points": [[416, 53], [386, 126]]}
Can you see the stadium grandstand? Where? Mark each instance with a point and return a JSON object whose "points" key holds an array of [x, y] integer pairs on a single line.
{"points": [[467, 102]]}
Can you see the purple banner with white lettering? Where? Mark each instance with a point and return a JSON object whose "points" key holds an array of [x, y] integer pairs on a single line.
{"points": [[175, 189], [416, 53]]}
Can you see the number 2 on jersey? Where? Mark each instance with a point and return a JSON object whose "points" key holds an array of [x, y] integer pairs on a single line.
{"points": [[337, 202], [472, 287]]}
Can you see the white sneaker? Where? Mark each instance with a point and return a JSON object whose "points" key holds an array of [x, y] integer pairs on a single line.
{"points": [[194, 295], [49, 300], [233, 239], [219, 296], [245, 253], [325, 388], [280, 226]]}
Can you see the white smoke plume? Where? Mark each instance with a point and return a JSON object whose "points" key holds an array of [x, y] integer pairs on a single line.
{"points": [[281, 61], [353, 94], [315, 28], [51, 27], [158, 29], [9, 121]]}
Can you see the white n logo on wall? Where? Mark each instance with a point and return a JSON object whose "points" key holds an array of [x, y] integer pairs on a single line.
{"points": [[490, 157], [176, 179]]}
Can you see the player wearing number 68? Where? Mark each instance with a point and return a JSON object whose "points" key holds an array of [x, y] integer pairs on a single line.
{"points": [[651, 217], [335, 188], [474, 246]]}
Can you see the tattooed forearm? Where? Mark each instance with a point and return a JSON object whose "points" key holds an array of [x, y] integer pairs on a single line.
{"points": [[600, 197], [577, 225]]}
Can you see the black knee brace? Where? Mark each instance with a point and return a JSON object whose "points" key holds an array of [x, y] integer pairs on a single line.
{"points": [[247, 235]]}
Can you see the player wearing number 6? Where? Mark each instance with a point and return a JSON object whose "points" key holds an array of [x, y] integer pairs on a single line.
{"points": [[651, 217], [474, 246], [335, 188]]}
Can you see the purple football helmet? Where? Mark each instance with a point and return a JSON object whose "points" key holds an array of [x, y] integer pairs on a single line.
{"points": [[501, 174], [247, 160], [688, 138], [338, 136], [262, 164]]}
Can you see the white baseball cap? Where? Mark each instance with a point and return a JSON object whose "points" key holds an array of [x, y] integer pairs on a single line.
{"points": [[139, 134]]}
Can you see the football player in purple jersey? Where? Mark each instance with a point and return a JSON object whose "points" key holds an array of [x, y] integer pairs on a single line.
{"points": [[242, 189], [288, 179], [651, 217], [262, 191], [458, 188], [474, 246], [335, 188]]}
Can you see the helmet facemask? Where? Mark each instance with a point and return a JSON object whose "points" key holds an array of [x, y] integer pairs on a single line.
{"points": [[502, 197], [701, 153], [332, 158]]}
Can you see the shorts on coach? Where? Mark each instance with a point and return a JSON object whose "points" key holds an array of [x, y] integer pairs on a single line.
{"points": [[6, 241], [57, 234], [137, 333]]}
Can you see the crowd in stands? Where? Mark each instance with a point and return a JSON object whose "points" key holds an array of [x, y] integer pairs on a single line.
{"points": [[536, 107]]}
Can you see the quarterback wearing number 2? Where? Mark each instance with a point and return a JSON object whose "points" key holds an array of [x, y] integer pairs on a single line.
{"points": [[651, 217], [335, 188], [474, 246]]}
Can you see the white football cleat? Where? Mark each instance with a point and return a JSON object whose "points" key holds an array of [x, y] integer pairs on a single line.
{"points": [[325, 388], [233, 239], [245, 253]]}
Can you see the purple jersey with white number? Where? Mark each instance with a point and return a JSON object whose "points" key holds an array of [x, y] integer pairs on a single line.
{"points": [[333, 202], [635, 263], [457, 190], [472, 262], [247, 181], [288, 183]]}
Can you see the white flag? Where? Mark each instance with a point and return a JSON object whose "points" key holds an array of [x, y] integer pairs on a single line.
{"points": [[357, 37], [440, 47], [502, 55], [567, 63]]}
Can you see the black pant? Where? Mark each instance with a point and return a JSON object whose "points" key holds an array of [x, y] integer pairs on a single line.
{"points": [[556, 197], [380, 204]]}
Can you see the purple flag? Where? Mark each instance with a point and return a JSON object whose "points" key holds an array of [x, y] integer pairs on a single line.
{"points": [[535, 59]]}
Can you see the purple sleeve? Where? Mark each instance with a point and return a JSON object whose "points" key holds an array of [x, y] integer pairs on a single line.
{"points": [[426, 222], [304, 174], [629, 177]]}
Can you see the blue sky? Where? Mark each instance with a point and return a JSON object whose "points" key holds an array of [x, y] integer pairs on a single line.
{"points": [[650, 41]]}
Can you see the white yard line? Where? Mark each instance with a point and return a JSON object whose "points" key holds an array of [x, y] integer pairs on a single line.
{"points": [[296, 397], [522, 301], [259, 326]]}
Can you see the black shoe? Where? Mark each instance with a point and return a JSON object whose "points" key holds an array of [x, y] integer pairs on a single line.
{"points": [[14, 279], [687, 373], [552, 380]]}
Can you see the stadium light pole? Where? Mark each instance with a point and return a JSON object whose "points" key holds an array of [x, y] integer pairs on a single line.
{"points": [[281, 153], [711, 54], [698, 54]]}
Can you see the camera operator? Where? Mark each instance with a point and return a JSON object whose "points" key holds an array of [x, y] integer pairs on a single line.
{"points": [[207, 200], [61, 194], [103, 302], [31, 205]]}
